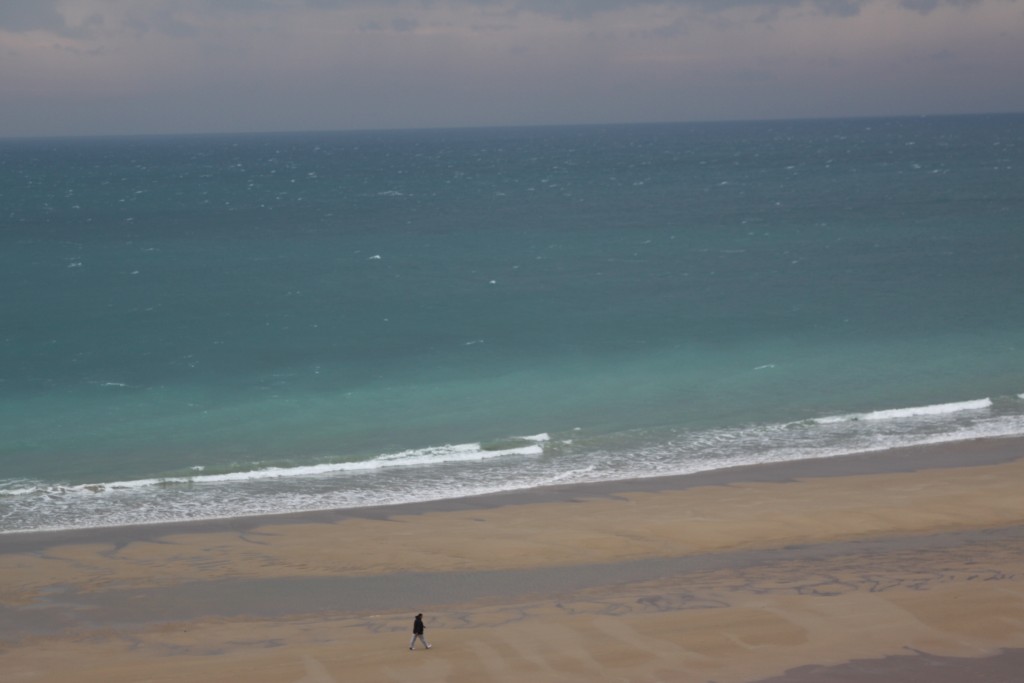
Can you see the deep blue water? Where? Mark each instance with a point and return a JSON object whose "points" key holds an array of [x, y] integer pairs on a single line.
{"points": [[223, 325]]}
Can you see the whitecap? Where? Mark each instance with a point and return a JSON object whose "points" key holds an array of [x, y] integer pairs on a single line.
{"points": [[429, 456], [539, 438], [916, 411]]}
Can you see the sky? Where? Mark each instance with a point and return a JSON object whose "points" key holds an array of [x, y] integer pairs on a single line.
{"points": [[102, 67]]}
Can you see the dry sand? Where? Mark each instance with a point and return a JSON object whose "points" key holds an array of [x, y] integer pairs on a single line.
{"points": [[903, 566]]}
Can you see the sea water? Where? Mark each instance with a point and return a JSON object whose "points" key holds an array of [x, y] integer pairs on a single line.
{"points": [[217, 326]]}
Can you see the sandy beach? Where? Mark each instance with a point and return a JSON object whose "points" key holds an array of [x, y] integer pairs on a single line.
{"points": [[883, 566]]}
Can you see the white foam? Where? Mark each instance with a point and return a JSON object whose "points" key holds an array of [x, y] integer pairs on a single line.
{"points": [[569, 476], [454, 470], [430, 456], [539, 438], [917, 411], [437, 455], [19, 488], [435, 473]]}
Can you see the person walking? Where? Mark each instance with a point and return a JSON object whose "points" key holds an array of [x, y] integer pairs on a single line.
{"points": [[417, 632]]}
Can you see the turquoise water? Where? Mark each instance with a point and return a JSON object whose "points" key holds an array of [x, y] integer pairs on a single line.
{"points": [[215, 326]]}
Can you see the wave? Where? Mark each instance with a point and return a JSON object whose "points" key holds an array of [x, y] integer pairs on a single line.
{"points": [[539, 438], [917, 411], [514, 463], [429, 456]]}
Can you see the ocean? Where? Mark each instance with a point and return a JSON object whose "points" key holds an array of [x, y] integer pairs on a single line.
{"points": [[216, 326]]}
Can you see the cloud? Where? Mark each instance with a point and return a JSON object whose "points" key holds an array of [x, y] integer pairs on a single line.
{"points": [[581, 9], [403, 25], [182, 17], [165, 65], [19, 16], [399, 25], [163, 19], [840, 8], [927, 6]]}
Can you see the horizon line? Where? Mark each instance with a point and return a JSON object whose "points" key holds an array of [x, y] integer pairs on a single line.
{"points": [[411, 129]]}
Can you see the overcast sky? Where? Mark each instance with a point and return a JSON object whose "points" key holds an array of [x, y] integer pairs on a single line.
{"points": [[163, 66]]}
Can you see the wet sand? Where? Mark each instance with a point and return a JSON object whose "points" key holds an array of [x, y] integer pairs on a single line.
{"points": [[898, 566]]}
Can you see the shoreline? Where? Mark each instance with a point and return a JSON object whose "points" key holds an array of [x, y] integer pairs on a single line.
{"points": [[965, 453], [884, 566]]}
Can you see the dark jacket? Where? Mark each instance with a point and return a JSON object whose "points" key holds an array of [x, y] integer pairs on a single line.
{"points": [[417, 625]]}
